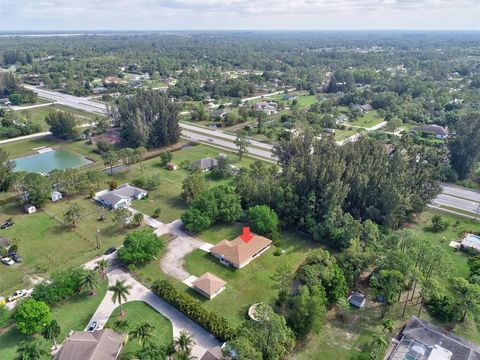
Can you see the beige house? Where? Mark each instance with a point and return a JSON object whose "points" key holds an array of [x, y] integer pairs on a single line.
{"points": [[104, 344], [209, 285], [238, 252]]}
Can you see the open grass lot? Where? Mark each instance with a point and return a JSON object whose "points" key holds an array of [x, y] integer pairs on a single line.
{"points": [[368, 120], [72, 314], [37, 115], [343, 134], [136, 312], [250, 284], [167, 194], [46, 245]]}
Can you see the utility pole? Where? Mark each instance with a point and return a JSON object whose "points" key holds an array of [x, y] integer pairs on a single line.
{"points": [[97, 238]]}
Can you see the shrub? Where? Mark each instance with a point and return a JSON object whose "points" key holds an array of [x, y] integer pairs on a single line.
{"points": [[112, 185], [4, 316], [438, 224], [31, 315], [277, 252], [140, 246], [193, 309], [62, 285], [157, 212]]}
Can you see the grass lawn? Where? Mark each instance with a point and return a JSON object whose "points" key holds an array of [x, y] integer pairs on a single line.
{"points": [[368, 120], [37, 115], [47, 246], [250, 284], [24, 147], [73, 314], [136, 312], [167, 194], [343, 134]]}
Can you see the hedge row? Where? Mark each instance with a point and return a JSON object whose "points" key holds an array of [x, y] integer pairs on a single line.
{"points": [[192, 308]]}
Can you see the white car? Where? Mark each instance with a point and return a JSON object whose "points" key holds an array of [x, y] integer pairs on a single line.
{"points": [[8, 261], [17, 295]]}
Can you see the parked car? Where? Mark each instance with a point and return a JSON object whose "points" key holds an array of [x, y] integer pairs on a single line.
{"points": [[17, 258], [110, 250], [17, 295], [7, 224], [8, 261], [92, 327]]}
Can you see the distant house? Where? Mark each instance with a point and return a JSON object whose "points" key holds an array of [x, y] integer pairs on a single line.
{"points": [[209, 285], [357, 299], [261, 105], [436, 130], [112, 80], [470, 241], [29, 208], [421, 340], [340, 119], [4, 243], [104, 344], [206, 164], [330, 130], [5, 102], [99, 89], [122, 196], [238, 252], [219, 114], [289, 97], [363, 108], [171, 166], [269, 111], [55, 196]]}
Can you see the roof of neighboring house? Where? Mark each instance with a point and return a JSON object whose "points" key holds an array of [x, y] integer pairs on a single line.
{"points": [[434, 129], [356, 299], [111, 198], [214, 353], [4, 242], [99, 345], [218, 113], [206, 163], [428, 341], [209, 283], [28, 206], [128, 190], [238, 251]]}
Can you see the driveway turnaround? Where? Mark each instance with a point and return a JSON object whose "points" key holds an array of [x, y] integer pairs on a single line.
{"points": [[203, 339]]}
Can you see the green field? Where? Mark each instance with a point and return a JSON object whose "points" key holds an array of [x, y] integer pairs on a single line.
{"points": [[368, 120], [72, 314], [137, 312]]}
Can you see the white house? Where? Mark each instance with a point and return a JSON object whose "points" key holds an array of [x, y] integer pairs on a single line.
{"points": [[122, 196], [56, 195]]}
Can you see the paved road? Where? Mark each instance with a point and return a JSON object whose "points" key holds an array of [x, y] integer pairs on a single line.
{"points": [[456, 203], [460, 192], [203, 339]]}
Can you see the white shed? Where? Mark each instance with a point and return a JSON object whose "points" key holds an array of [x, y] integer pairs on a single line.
{"points": [[56, 195], [29, 208]]}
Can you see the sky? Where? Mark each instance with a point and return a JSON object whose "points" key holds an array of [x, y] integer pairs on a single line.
{"points": [[45, 15]]}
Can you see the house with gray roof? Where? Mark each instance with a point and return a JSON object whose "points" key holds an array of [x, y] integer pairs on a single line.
{"points": [[206, 164], [420, 340], [433, 129], [104, 344], [120, 197]]}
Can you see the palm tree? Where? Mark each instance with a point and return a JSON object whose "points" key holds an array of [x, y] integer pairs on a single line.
{"points": [[51, 331], [378, 343], [89, 280], [102, 266], [183, 355], [151, 351], [169, 350], [121, 325], [143, 332], [30, 351], [120, 293], [184, 343]]}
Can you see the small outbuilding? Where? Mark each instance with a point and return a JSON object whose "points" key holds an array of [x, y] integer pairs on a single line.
{"points": [[56, 196], [29, 208], [206, 164], [357, 299], [209, 285], [171, 166]]}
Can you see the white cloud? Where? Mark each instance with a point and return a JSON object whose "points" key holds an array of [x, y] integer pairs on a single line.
{"points": [[238, 14]]}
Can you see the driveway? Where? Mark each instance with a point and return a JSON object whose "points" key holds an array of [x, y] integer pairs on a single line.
{"points": [[173, 260], [203, 339]]}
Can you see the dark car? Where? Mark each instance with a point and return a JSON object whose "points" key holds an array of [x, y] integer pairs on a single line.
{"points": [[110, 250], [7, 224], [93, 326], [17, 258]]}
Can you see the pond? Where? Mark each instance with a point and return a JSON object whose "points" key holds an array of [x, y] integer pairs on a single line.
{"points": [[45, 162]]}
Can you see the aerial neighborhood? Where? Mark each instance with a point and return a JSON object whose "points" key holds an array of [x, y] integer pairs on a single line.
{"points": [[239, 195]]}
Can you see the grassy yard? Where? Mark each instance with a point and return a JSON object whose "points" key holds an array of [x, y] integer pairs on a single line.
{"points": [[368, 120], [137, 312], [343, 134], [250, 284], [46, 245], [73, 314], [167, 195]]}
